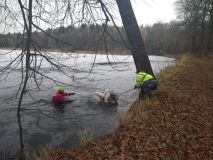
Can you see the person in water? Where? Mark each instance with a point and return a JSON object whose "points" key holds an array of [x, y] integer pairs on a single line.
{"points": [[59, 101]]}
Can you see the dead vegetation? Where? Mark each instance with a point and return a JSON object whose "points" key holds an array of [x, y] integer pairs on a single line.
{"points": [[176, 124]]}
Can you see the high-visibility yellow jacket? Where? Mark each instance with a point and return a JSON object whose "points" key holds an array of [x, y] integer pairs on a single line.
{"points": [[141, 78]]}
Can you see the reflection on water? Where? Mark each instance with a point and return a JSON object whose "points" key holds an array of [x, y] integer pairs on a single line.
{"points": [[43, 124]]}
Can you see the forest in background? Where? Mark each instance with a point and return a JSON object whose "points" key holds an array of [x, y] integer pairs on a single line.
{"points": [[159, 38], [191, 32]]}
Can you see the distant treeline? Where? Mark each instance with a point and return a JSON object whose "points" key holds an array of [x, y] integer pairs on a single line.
{"points": [[84, 38], [160, 38]]}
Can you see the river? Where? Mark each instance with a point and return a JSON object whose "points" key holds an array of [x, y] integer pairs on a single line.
{"points": [[42, 124]]}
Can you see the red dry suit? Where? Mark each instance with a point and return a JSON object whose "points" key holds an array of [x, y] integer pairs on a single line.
{"points": [[59, 99]]}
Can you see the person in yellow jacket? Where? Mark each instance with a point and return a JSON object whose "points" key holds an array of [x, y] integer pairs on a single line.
{"points": [[146, 83]]}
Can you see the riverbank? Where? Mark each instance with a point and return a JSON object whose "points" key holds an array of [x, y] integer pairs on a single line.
{"points": [[176, 124]]}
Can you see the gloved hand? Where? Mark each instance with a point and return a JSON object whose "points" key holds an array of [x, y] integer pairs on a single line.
{"points": [[71, 94]]}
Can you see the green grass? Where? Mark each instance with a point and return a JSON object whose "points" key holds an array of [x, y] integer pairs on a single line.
{"points": [[85, 136], [41, 153]]}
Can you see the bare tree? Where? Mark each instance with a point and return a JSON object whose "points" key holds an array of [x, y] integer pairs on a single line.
{"points": [[134, 37], [210, 34], [196, 14]]}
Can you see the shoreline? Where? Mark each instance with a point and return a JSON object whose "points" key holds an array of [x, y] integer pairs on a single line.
{"points": [[79, 52], [121, 53]]}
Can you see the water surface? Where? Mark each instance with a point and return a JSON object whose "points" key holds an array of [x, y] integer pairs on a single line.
{"points": [[42, 124]]}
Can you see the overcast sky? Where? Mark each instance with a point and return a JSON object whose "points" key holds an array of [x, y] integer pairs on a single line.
{"points": [[146, 11], [153, 11]]}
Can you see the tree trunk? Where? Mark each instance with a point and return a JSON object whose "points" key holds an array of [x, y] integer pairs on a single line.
{"points": [[209, 45], [204, 13], [193, 36], [27, 49], [134, 36]]}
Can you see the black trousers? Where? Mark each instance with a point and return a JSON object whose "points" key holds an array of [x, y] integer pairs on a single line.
{"points": [[146, 89]]}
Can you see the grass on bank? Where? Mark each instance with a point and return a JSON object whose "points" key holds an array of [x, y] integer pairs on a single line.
{"points": [[85, 136], [166, 79], [141, 108], [41, 153]]}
